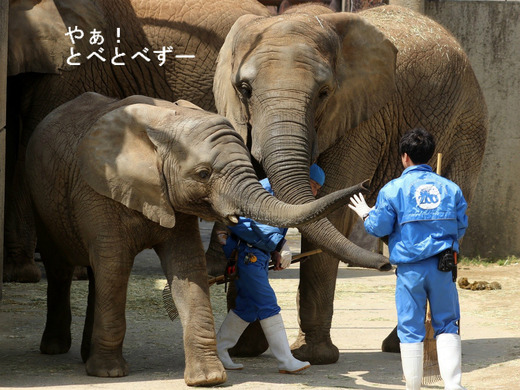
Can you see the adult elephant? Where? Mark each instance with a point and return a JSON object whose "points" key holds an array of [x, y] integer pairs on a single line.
{"points": [[342, 88], [47, 67], [109, 178]]}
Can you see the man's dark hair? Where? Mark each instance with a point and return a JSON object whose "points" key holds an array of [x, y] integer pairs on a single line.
{"points": [[418, 144]]}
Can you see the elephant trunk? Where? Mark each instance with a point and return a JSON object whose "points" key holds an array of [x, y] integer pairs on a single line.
{"points": [[286, 161], [256, 203], [324, 235]]}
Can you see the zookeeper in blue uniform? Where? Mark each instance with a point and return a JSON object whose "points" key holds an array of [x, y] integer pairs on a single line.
{"points": [[423, 215], [256, 244]]}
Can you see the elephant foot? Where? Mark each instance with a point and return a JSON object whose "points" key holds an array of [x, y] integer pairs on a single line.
{"points": [[205, 373], [251, 343], [53, 344], [391, 343], [23, 271], [323, 352], [107, 367]]}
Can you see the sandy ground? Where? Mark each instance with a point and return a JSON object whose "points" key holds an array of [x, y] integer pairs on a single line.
{"points": [[364, 314]]}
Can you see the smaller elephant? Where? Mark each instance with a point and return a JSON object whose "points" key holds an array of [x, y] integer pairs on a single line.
{"points": [[109, 178]]}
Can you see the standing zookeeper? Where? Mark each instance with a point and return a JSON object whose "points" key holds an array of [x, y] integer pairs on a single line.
{"points": [[423, 215]]}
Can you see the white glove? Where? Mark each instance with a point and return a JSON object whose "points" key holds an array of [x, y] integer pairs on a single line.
{"points": [[359, 205], [286, 256]]}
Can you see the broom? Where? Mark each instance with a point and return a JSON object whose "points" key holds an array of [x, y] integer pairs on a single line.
{"points": [[431, 373]]}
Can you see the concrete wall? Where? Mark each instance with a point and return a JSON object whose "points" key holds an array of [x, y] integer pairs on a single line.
{"points": [[489, 31], [3, 72]]}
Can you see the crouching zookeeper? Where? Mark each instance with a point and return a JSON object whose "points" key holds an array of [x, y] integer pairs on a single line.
{"points": [[254, 245]]}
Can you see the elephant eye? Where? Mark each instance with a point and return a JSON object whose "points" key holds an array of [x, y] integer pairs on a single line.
{"points": [[244, 89], [204, 173], [324, 93]]}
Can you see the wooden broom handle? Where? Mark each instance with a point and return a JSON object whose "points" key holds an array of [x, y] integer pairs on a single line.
{"points": [[439, 163], [295, 259]]}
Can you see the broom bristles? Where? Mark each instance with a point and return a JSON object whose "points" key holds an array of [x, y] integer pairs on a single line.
{"points": [[431, 373]]}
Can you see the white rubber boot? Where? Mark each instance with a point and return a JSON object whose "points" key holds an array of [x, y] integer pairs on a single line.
{"points": [[449, 355], [277, 338], [412, 362], [227, 337]]}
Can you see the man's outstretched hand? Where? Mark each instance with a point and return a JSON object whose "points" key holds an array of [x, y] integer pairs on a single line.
{"points": [[359, 205]]}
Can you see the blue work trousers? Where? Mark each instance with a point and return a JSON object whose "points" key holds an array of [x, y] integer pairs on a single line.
{"points": [[256, 299], [417, 283]]}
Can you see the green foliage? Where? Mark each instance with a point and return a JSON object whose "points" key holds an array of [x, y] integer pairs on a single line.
{"points": [[487, 261]]}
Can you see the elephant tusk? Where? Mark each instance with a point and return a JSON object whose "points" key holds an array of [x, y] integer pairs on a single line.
{"points": [[233, 218], [319, 21]]}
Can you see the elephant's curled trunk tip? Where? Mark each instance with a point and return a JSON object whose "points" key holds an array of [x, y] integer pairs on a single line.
{"points": [[365, 185], [385, 267], [371, 260]]}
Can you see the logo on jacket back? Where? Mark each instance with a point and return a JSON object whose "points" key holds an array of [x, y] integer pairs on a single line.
{"points": [[427, 197]]}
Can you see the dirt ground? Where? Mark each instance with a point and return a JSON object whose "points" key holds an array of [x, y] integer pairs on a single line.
{"points": [[364, 314]]}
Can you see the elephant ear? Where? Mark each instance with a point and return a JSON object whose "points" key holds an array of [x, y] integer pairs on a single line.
{"points": [[118, 159], [366, 70], [226, 98], [37, 28]]}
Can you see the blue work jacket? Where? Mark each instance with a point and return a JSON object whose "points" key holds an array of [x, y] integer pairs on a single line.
{"points": [[421, 212], [256, 238]]}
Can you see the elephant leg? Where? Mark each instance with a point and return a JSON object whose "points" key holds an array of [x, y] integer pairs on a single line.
{"points": [[111, 268], [56, 338], [316, 299], [184, 264], [89, 317], [252, 342], [315, 308], [19, 226], [20, 233], [215, 258], [391, 343], [80, 273]]}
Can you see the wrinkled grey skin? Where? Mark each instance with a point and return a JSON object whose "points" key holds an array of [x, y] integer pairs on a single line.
{"points": [[109, 178], [341, 89], [40, 78]]}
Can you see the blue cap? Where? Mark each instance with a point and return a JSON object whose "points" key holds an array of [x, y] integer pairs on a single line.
{"points": [[317, 174]]}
